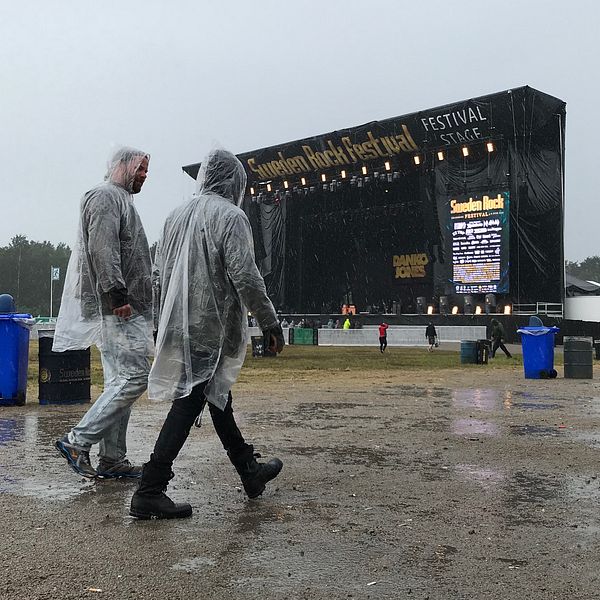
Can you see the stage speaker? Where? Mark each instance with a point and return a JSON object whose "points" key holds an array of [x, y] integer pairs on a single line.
{"points": [[468, 305], [421, 304], [444, 305], [490, 303]]}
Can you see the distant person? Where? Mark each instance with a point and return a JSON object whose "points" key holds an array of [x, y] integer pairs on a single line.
{"points": [[284, 323], [205, 279], [383, 337], [347, 323], [107, 301], [330, 324], [337, 324], [497, 337], [431, 335]]}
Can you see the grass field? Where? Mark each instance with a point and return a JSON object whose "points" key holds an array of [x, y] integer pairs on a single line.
{"points": [[323, 359]]}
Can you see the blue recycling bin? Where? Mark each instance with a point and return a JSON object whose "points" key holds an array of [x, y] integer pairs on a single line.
{"points": [[538, 351], [14, 357]]}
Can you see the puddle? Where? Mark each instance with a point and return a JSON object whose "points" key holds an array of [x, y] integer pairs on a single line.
{"points": [[536, 406], [474, 427], [10, 430], [253, 519], [535, 430], [481, 399]]}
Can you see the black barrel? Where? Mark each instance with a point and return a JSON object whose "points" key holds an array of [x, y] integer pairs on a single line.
{"points": [[483, 352], [578, 358], [64, 376]]}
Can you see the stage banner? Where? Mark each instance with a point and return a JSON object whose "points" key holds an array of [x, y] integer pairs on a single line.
{"points": [[476, 237]]}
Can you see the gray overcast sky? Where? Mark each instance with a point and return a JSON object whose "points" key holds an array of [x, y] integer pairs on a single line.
{"points": [[175, 77]]}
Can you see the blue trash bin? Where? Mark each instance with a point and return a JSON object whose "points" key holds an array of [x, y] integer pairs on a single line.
{"points": [[14, 357], [538, 351]]}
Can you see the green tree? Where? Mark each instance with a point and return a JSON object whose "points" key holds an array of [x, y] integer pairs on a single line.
{"points": [[25, 274], [587, 269]]}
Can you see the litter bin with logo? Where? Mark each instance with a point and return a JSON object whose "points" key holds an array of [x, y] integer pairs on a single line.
{"points": [[14, 353], [538, 351], [64, 376]]}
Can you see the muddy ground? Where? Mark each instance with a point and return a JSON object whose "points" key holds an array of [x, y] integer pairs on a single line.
{"points": [[460, 483]]}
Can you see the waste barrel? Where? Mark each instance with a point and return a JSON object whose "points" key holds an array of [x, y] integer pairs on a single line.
{"points": [[483, 352], [538, 351], [64, 377], [578, 357], [14, 357], [468, 352]]}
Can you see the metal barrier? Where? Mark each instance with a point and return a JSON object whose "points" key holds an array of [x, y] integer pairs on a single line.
{"points": [[551, 309]]}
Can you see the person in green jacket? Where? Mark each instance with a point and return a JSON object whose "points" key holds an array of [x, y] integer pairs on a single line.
{"points": [[497, 336]]}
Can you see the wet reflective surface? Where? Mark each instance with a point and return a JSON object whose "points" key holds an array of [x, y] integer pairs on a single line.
{"points": [[389, 490]]}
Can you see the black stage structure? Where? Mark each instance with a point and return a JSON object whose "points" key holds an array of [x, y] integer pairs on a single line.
{"points": [[459, 205]]}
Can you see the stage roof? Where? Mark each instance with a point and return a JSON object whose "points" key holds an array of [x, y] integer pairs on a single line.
{"points": [[509, 115]]}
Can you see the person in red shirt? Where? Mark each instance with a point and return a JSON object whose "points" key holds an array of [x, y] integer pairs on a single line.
{"points": [[383, 337]]}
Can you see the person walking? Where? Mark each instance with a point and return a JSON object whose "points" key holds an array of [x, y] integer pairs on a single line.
{"points": [[205, 280], [497, 336], [383, 337], [107, 301], [431, 335]]}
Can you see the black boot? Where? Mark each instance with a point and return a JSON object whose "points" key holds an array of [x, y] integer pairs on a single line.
{"points": [[150, 500], [254, 475]]}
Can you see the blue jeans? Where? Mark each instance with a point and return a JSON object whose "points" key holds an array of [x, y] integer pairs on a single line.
{"points": [[126, 363]]}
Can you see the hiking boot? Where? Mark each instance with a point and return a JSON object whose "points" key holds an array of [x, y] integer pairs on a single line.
{"points": [[157, 506], [124, 468], [255, 475], [150, 500], [77, 457]]}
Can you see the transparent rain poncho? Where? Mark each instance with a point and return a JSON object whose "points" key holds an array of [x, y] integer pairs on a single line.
{"points": [[110, 264], [205, 281]]}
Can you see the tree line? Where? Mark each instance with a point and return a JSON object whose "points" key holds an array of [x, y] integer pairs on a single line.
{"points": [[588, 269], [25, 274]]}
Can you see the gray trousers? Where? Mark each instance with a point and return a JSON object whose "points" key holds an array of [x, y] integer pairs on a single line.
{"points": [[126, 364]]}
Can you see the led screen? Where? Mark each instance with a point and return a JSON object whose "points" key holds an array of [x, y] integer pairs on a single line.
{"points": [[479, 242]]}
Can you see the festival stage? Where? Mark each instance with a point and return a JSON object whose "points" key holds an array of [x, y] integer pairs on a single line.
{"points": [[458, 207]]}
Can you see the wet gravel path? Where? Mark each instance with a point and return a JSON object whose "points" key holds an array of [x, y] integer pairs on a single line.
{"points": [[441, 485]]}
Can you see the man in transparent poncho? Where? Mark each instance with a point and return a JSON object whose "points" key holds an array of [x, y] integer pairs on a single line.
{"points": [[107, 301], [205, 282]]}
